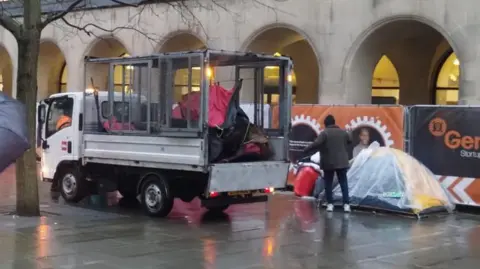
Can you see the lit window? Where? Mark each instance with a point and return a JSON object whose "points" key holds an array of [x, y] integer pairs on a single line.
{"points": [[118, 77], [385, 83], [446, 92], [271, 80], [181, 82]]}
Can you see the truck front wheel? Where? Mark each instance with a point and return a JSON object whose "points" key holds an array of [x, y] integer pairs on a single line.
{"points": [[157, 200], [73, 184]]}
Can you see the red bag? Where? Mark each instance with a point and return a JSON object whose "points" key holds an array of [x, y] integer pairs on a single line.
{"points": [[305, 181]]}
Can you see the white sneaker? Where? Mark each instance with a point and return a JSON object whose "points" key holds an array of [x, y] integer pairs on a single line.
{"points": [[329, 208], [347, 208]]}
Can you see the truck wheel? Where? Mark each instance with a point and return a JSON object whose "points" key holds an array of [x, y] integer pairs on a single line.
{"points": [[220, 208], [72, 183], [156, 197]]}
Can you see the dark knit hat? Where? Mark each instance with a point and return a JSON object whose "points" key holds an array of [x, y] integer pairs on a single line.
{"points": [[329, 120]]}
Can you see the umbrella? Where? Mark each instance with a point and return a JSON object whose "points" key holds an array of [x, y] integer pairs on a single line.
{"points": [[13, 131]]}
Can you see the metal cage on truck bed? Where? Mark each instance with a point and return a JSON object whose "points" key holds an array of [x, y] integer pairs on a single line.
{"points": [[137, 120]]}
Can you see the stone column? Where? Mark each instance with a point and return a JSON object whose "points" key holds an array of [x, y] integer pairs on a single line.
{"points": [[412, 61], [306, 71]]}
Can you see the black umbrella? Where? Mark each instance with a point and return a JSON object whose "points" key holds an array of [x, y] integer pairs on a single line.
{"points": [[13, 131]]}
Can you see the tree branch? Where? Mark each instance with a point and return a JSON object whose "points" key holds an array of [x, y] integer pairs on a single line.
{"points": [[60, 15], [85, 29], [9, 23], [90, 27]]}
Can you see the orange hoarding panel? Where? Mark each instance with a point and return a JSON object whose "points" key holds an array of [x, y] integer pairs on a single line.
{"points": [[462, 190], [383, 124]]}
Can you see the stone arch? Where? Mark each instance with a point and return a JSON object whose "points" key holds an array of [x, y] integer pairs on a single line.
{"points": [[108, 46], [288, 40], [181, 41], [98, 45], [51, 63], [409, 41]]}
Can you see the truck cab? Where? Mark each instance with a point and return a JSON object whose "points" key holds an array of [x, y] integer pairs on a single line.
{"points": [[59, 121], [154, 145]]}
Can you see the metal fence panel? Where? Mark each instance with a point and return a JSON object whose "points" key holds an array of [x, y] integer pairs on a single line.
{"points": [[446, 139]]}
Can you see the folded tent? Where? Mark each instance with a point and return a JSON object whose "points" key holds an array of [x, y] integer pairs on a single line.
{"points": [[231, 135], [222, 106]]}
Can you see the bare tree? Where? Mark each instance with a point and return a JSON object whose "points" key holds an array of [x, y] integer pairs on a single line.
{"points": [[27, 31]]}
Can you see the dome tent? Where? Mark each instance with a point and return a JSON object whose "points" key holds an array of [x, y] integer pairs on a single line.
{"points": [[388, 179]]}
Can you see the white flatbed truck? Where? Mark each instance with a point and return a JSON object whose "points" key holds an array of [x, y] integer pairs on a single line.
{"points": [[153, 158]]}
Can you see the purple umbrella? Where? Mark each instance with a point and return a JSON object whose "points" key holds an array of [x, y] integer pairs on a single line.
{"points": [[13, 131]]}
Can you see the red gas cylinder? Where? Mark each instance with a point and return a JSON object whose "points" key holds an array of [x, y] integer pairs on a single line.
{"points": [[305, 181]]}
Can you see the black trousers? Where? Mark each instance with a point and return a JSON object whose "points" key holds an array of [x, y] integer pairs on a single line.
{"points": [[342, 180]]}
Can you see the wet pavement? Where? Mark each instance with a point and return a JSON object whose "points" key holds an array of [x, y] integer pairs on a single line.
{"points": [[284, 233]]}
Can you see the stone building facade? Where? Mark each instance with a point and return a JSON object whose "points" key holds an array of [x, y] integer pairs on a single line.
{"points": [[344, 51]]}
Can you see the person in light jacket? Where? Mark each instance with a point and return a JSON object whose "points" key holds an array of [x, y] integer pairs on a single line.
{"points": [[333, 144]]}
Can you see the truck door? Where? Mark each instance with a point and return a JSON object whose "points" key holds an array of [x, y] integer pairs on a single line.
{"points": [[58, 133]]}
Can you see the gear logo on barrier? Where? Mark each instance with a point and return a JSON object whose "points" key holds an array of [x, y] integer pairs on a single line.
{"points": [[375, 124], [308, 121], [437, 126], [305, 130]]}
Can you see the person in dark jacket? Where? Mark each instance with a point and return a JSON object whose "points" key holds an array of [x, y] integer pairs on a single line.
{"points": [[333, 144]]}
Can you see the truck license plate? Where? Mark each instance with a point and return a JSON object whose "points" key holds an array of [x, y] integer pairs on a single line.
{"points": [[236, 193]]}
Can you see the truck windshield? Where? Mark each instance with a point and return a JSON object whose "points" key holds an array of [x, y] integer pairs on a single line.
{"points": [[59, 115]]}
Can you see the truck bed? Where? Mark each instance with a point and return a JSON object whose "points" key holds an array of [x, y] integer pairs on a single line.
{"points": [[183, 154], [230, 177], [145, 151]]}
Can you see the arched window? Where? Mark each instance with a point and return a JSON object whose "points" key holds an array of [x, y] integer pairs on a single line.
{"points": [[118, 76], [271, 74], [181, 82], [446, 92], [271, 95], [385, 83], [62, 87]]}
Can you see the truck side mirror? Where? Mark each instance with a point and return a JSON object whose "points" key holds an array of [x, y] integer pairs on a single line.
{"points": [[41, 113]]}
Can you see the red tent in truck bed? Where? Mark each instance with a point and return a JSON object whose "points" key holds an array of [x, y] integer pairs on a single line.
{"points": [[218, 104], [231, 135]]}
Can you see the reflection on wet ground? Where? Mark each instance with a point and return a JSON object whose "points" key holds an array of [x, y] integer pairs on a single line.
{"points": [[284, 233]]}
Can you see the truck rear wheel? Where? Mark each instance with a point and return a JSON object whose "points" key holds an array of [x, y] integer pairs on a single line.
{"points": [[157, 200], [73, 184]]}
